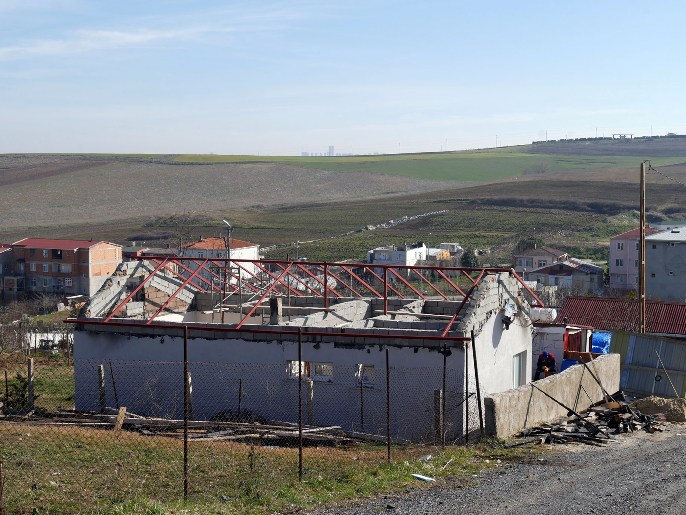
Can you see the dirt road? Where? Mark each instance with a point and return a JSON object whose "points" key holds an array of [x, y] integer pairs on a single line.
{"points": [[639, 473]]}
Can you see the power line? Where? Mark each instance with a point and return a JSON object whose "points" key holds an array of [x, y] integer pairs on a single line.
{"points": [[666, 176]]}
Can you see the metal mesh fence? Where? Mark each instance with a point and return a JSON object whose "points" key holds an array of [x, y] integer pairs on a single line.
{"points": [[98, 433]]}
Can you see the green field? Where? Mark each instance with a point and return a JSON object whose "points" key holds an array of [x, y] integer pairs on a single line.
{"points": [[472, 167]]}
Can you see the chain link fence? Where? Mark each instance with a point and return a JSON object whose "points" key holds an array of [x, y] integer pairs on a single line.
{"points": [[101, 433]]}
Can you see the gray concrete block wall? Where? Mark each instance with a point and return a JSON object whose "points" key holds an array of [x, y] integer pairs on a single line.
{"points": [[509, 412]]}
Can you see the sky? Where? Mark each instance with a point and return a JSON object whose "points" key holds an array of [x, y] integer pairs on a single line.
{"points": [[284, 77]]}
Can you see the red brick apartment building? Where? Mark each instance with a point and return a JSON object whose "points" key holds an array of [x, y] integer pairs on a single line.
{"points": [[65, 267]]}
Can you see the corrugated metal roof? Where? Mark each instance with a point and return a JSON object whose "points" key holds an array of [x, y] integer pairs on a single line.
{"points": [[623, 314], [47, 243]]}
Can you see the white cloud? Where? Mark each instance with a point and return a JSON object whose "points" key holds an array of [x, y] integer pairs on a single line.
{"points": [[170, 28]]}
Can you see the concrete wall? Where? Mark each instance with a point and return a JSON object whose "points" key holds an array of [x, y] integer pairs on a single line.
{"points": [[508, 412], [148, 374]]}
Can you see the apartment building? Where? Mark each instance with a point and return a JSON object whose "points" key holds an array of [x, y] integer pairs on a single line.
{"points": [[68, 267], [666, 265], [624, 258]]}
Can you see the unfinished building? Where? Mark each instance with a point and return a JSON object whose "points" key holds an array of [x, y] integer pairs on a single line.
{"points": [[359, 339]]}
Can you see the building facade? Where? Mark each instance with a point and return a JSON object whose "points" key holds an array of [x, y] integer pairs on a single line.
{"points": [[217, 248], [624, 258], [537, 257], [64, 267], [666, 265], [401, 255], [572, 273]]}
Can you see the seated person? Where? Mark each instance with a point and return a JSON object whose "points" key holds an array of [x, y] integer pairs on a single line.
{"points": [[545, 365]]}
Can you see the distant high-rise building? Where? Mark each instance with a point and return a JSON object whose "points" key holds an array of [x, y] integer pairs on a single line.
{"points": [[330, 150]]}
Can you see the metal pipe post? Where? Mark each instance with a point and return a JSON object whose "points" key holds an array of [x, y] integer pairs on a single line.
{"points": [[388, 409], [642, 253], [185, 412], [466, 396], [300, 404], [445, 367], [478, 387]]}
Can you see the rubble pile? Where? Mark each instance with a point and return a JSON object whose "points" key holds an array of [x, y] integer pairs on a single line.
{"points": [[597, 426], [674, 410]]}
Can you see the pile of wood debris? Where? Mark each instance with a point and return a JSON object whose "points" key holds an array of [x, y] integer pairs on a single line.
{"points": [[273, 433], [597, 426]]}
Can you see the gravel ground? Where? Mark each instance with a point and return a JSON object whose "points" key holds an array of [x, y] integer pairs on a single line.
{"points": [[639, 473]]}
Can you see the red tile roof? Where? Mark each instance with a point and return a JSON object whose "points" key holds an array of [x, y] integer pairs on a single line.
{"points": [[623, 314], [46, 243], [634, 234], [215, 243]]}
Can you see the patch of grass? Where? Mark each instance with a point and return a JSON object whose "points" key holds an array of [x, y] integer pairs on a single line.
{"points": [[478, 166], [67, 470]]}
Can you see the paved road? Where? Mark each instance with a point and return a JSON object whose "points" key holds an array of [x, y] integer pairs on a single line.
{"points": [[641, 473]]}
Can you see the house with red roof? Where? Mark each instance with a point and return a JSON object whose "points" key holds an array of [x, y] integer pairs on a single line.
{"points": [[220, 248], [64, 267]]}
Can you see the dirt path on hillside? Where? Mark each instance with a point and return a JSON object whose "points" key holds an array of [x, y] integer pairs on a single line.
{"points": [[640, 473]]}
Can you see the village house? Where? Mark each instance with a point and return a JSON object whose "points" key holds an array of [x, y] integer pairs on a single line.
{"points": [[219, 248], [346, 339], [65, 267], [537, 257], [572, 273]]}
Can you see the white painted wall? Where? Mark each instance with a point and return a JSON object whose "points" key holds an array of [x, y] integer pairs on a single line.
{"points": [[148, 373], [496, 348]]}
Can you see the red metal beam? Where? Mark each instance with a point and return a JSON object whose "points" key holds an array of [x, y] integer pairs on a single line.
{"points": [[447, 279], [273, 276], [178, 290], [235, 276], [539, 302], [419, 294], [465, 299], [341, 281], [313, 276], [307, 286], [384, 281], [267, 292], [182, 277], [360, 280], [430, 284], [131, 295]]}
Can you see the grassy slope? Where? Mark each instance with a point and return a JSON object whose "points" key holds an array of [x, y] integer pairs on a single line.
{"points": [[481, 166], [574, 204]]}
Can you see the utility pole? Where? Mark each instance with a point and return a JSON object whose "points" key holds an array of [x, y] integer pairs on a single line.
{"points": [[642, 253]]}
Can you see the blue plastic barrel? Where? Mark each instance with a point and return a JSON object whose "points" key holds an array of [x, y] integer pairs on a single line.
{"points": [[600, 342]]}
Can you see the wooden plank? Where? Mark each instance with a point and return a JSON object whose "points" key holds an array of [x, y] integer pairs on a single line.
{"points": [[120, 419]]}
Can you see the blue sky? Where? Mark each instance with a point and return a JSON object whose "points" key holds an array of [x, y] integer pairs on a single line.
{"points": [[283, 77]]}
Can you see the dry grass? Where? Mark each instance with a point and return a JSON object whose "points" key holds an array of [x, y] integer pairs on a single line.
{"points": [[70, 470]]}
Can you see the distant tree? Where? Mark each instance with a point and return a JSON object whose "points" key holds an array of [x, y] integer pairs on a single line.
{"points": [[469, 259]]}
